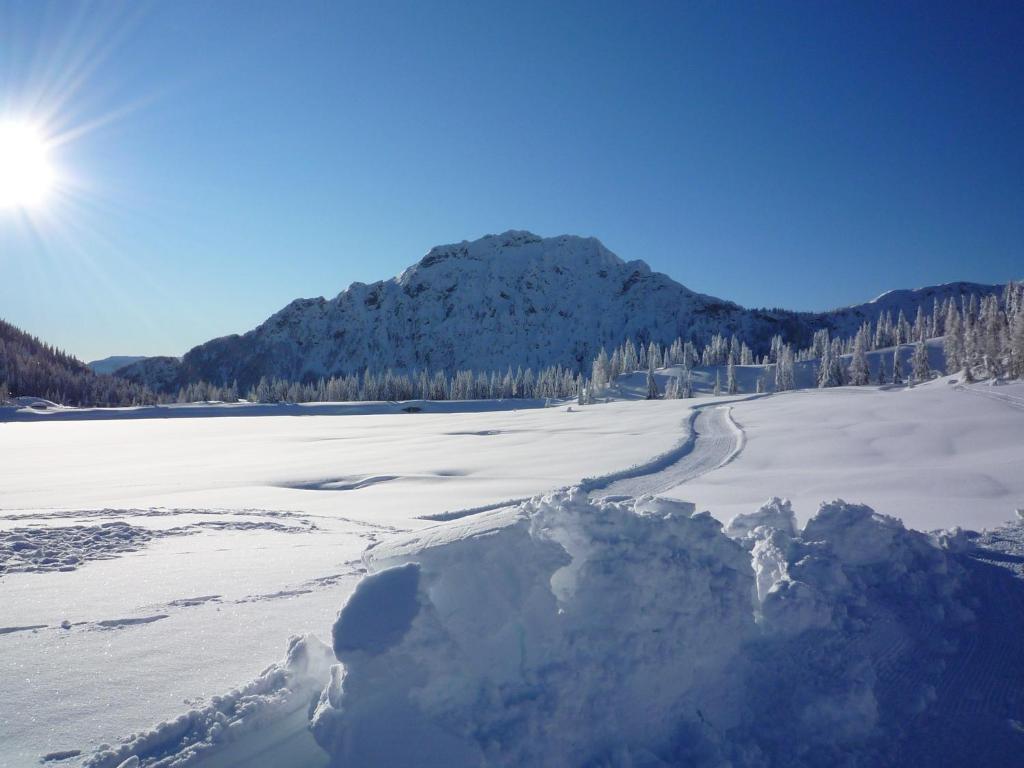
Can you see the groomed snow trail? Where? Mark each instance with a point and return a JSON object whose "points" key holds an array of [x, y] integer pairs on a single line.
{"points": [[714, 440]]}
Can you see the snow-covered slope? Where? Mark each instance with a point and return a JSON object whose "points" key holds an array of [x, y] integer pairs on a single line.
{"points": [[846, 320], [513, 299]]}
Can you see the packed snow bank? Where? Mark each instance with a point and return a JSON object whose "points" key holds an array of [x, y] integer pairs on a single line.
{"points": [[281, 690], [636, 632], [576, 632]]}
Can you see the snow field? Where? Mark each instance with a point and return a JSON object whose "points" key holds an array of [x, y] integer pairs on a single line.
{"points": [[530, 621], [226, 524], [935, 456]]}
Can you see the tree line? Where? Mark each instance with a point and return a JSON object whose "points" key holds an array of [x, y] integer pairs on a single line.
{"points": [[984, 338], [981, 337], [30, 367]]}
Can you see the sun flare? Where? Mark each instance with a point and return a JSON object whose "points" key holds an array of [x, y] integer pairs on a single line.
{"points": [[26, 175]]}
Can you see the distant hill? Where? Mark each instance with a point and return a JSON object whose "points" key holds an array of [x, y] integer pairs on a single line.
{"points": [[111, 364], [513, 299], [32, 368]]}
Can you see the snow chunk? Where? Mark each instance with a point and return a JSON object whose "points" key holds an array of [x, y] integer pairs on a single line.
{"points": [[854, 531], [774, 513]]}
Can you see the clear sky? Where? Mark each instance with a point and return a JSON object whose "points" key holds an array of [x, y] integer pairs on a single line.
{"points": [[218, 159]]}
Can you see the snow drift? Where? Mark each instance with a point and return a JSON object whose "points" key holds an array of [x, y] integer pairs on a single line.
{"points": [[282, 690], [568, 631]]}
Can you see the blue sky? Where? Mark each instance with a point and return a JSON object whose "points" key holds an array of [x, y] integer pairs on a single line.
{"points": [[221, 159]]}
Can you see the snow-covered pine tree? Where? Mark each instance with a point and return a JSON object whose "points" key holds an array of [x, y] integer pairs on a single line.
{"points": [[785, 377], [1017, 345], [652, 385], [920, 330], [953, 342], [599, 371], [830, 372], [859, 371], [993, 324], [654, 359], [897, 370], [919, 362], [630, 361], [881, 334], [614, 365], [718, 383], [903, 330], [730, 377]]}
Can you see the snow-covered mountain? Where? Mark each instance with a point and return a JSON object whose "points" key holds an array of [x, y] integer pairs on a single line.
{"points": [[511, 299]]}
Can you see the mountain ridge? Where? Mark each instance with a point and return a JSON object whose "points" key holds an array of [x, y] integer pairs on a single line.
{"points": [[511, 299]]}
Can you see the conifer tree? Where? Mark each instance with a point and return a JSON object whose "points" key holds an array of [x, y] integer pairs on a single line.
{"points": [[859, 364], [599, 371], [652, 385], [919, 362], [688, 384], [1017, 345], [953, 342]]}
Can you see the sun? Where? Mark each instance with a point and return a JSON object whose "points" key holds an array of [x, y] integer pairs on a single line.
{"points": [[26, 176]]}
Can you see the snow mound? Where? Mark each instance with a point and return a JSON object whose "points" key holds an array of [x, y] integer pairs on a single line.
{"points": [[628, 632], [282, 689], [565, 637]]}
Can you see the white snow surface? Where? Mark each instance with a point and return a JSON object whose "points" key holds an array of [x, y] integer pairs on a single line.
{"points": [[160, 543], [938, 455], [139, 555]]}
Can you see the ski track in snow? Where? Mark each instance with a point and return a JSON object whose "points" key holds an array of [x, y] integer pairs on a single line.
{"points": [[991, 393], [713, 439]]}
